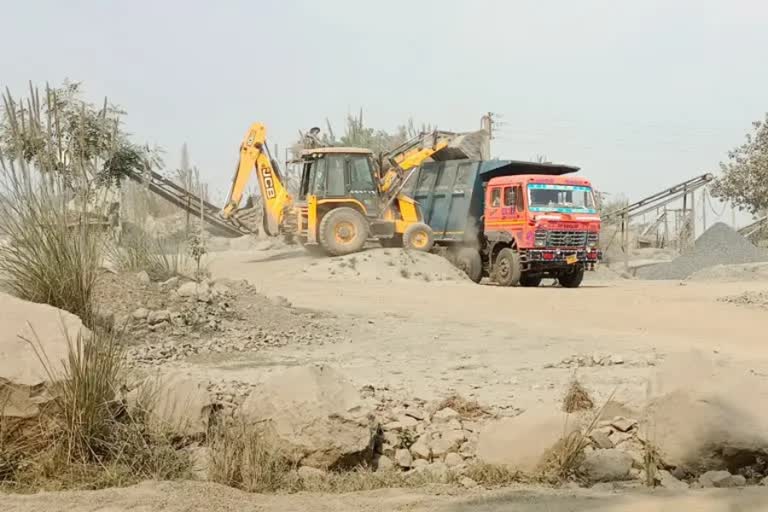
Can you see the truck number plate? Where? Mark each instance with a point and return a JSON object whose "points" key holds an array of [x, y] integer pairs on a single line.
{"points": [[570, 260]]}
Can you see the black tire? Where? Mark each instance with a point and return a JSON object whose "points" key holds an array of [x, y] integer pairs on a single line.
{"points": [[572, 279], [470, 262], [530, 280], [343, 231], [418, 237], [507, 268]]}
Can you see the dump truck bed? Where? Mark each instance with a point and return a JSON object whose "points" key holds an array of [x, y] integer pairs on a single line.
{"points": [[451, 193]]}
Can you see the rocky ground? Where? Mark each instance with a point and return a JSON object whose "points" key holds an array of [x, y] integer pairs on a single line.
{"points": [[448, 373]]}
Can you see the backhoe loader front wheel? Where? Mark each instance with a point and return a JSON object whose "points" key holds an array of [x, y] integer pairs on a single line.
{"points": [[418, 237], [343, 231]]}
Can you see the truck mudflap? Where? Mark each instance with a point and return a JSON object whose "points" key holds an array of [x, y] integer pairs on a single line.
{"points": [[558, 257]]}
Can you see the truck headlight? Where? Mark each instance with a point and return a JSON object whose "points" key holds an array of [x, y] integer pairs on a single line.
{"points": [[540, 242], [540, 239]]}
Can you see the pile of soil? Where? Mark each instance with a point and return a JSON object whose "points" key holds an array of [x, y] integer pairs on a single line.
{"points": [[176, 319], [719, 245], [385, 265], [743, 272]]}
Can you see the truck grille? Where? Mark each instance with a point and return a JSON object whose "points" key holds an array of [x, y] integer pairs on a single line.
{"points": [[593, 238], [564, 238]]}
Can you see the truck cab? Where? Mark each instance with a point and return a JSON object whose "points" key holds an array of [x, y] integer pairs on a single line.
{"points": [[551, 222]]}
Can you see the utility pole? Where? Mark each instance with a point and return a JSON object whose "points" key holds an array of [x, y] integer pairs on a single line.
{"points": [[703, 210], [693, 220], [486, 123]]}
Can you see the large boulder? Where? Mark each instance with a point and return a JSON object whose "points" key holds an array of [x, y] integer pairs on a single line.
{"points": [[31, 331], [606, 466], [706, 417], [179, 403], [522, 442], [315, 416]]}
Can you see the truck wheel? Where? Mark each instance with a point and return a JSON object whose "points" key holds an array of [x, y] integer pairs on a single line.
{"points": [[470, 262], [507, 269], [343, 231], [530, 280], [418, 237], [572, 279]]}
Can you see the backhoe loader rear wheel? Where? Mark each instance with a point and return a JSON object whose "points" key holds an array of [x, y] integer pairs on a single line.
{"points": [[343, 231], [418, 237]]}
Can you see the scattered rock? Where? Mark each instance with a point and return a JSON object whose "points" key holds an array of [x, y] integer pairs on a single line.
{"points": [[384, 463], [668, 481], [143, 277], [601, 440], [156, 317], [606, 466], [444, 415], [193, 289], [467, 483], [420, 463], [421, 449], [721, 479], [453, 460], [623, 424], [403, 458], [170, 283], [522, 442], [140, 314], [315, 415]]}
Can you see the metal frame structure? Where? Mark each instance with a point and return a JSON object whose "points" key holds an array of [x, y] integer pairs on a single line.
{"points": [[656, 201]]}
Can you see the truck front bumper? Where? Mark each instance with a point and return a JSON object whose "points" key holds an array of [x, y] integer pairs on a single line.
{"points": [[561, 257]]}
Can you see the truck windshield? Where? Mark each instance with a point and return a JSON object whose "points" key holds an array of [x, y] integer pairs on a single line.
{"points": [[560, 198]]}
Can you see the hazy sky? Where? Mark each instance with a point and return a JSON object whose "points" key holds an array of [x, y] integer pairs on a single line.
{"points": [[640, 94]]}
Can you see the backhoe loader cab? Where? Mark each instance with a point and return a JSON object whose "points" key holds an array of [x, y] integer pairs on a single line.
{"points": [[340, 205]]}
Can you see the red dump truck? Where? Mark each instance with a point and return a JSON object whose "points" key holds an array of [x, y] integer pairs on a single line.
{"points": [[514, 222]]}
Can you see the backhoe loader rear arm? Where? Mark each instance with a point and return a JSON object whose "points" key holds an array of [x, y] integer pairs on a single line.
{"points": [[254, 154]]}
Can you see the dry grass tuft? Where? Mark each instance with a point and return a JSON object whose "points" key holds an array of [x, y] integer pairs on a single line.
{"points": [[52, 255], [87, 437], [160, 258], [564, 458], [577, 398], [492, 475], [466, 408]]}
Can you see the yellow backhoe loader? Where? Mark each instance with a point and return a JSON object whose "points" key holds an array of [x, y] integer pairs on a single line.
{"points": [[344, 197]]}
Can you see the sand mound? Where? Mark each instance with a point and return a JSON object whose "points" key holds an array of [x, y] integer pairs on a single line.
{"points": [[386, 265], [719, 245], [742, 272]]}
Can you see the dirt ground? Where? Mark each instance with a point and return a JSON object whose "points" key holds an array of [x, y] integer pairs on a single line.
{"points": [[505, 347], [201, 497], [509, 348]]}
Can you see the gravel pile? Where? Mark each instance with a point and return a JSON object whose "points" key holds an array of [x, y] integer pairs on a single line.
{"points": [[719, 245]]}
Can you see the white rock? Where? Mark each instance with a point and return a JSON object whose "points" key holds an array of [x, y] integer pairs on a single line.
{"points": [[606, 466], [453, 460], [668, 481], [445, 415], [384, 463], [403, 458], [143, 277], [421, 449], [140, 314], [159, 316], [623, 424], [23, 378], [180, 403], [467, 483], [407, 422], [420, 463], [315, 415], [721, 479]]}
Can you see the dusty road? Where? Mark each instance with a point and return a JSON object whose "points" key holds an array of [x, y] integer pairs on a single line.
{"points": [[200, 497], [501, 346]]}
